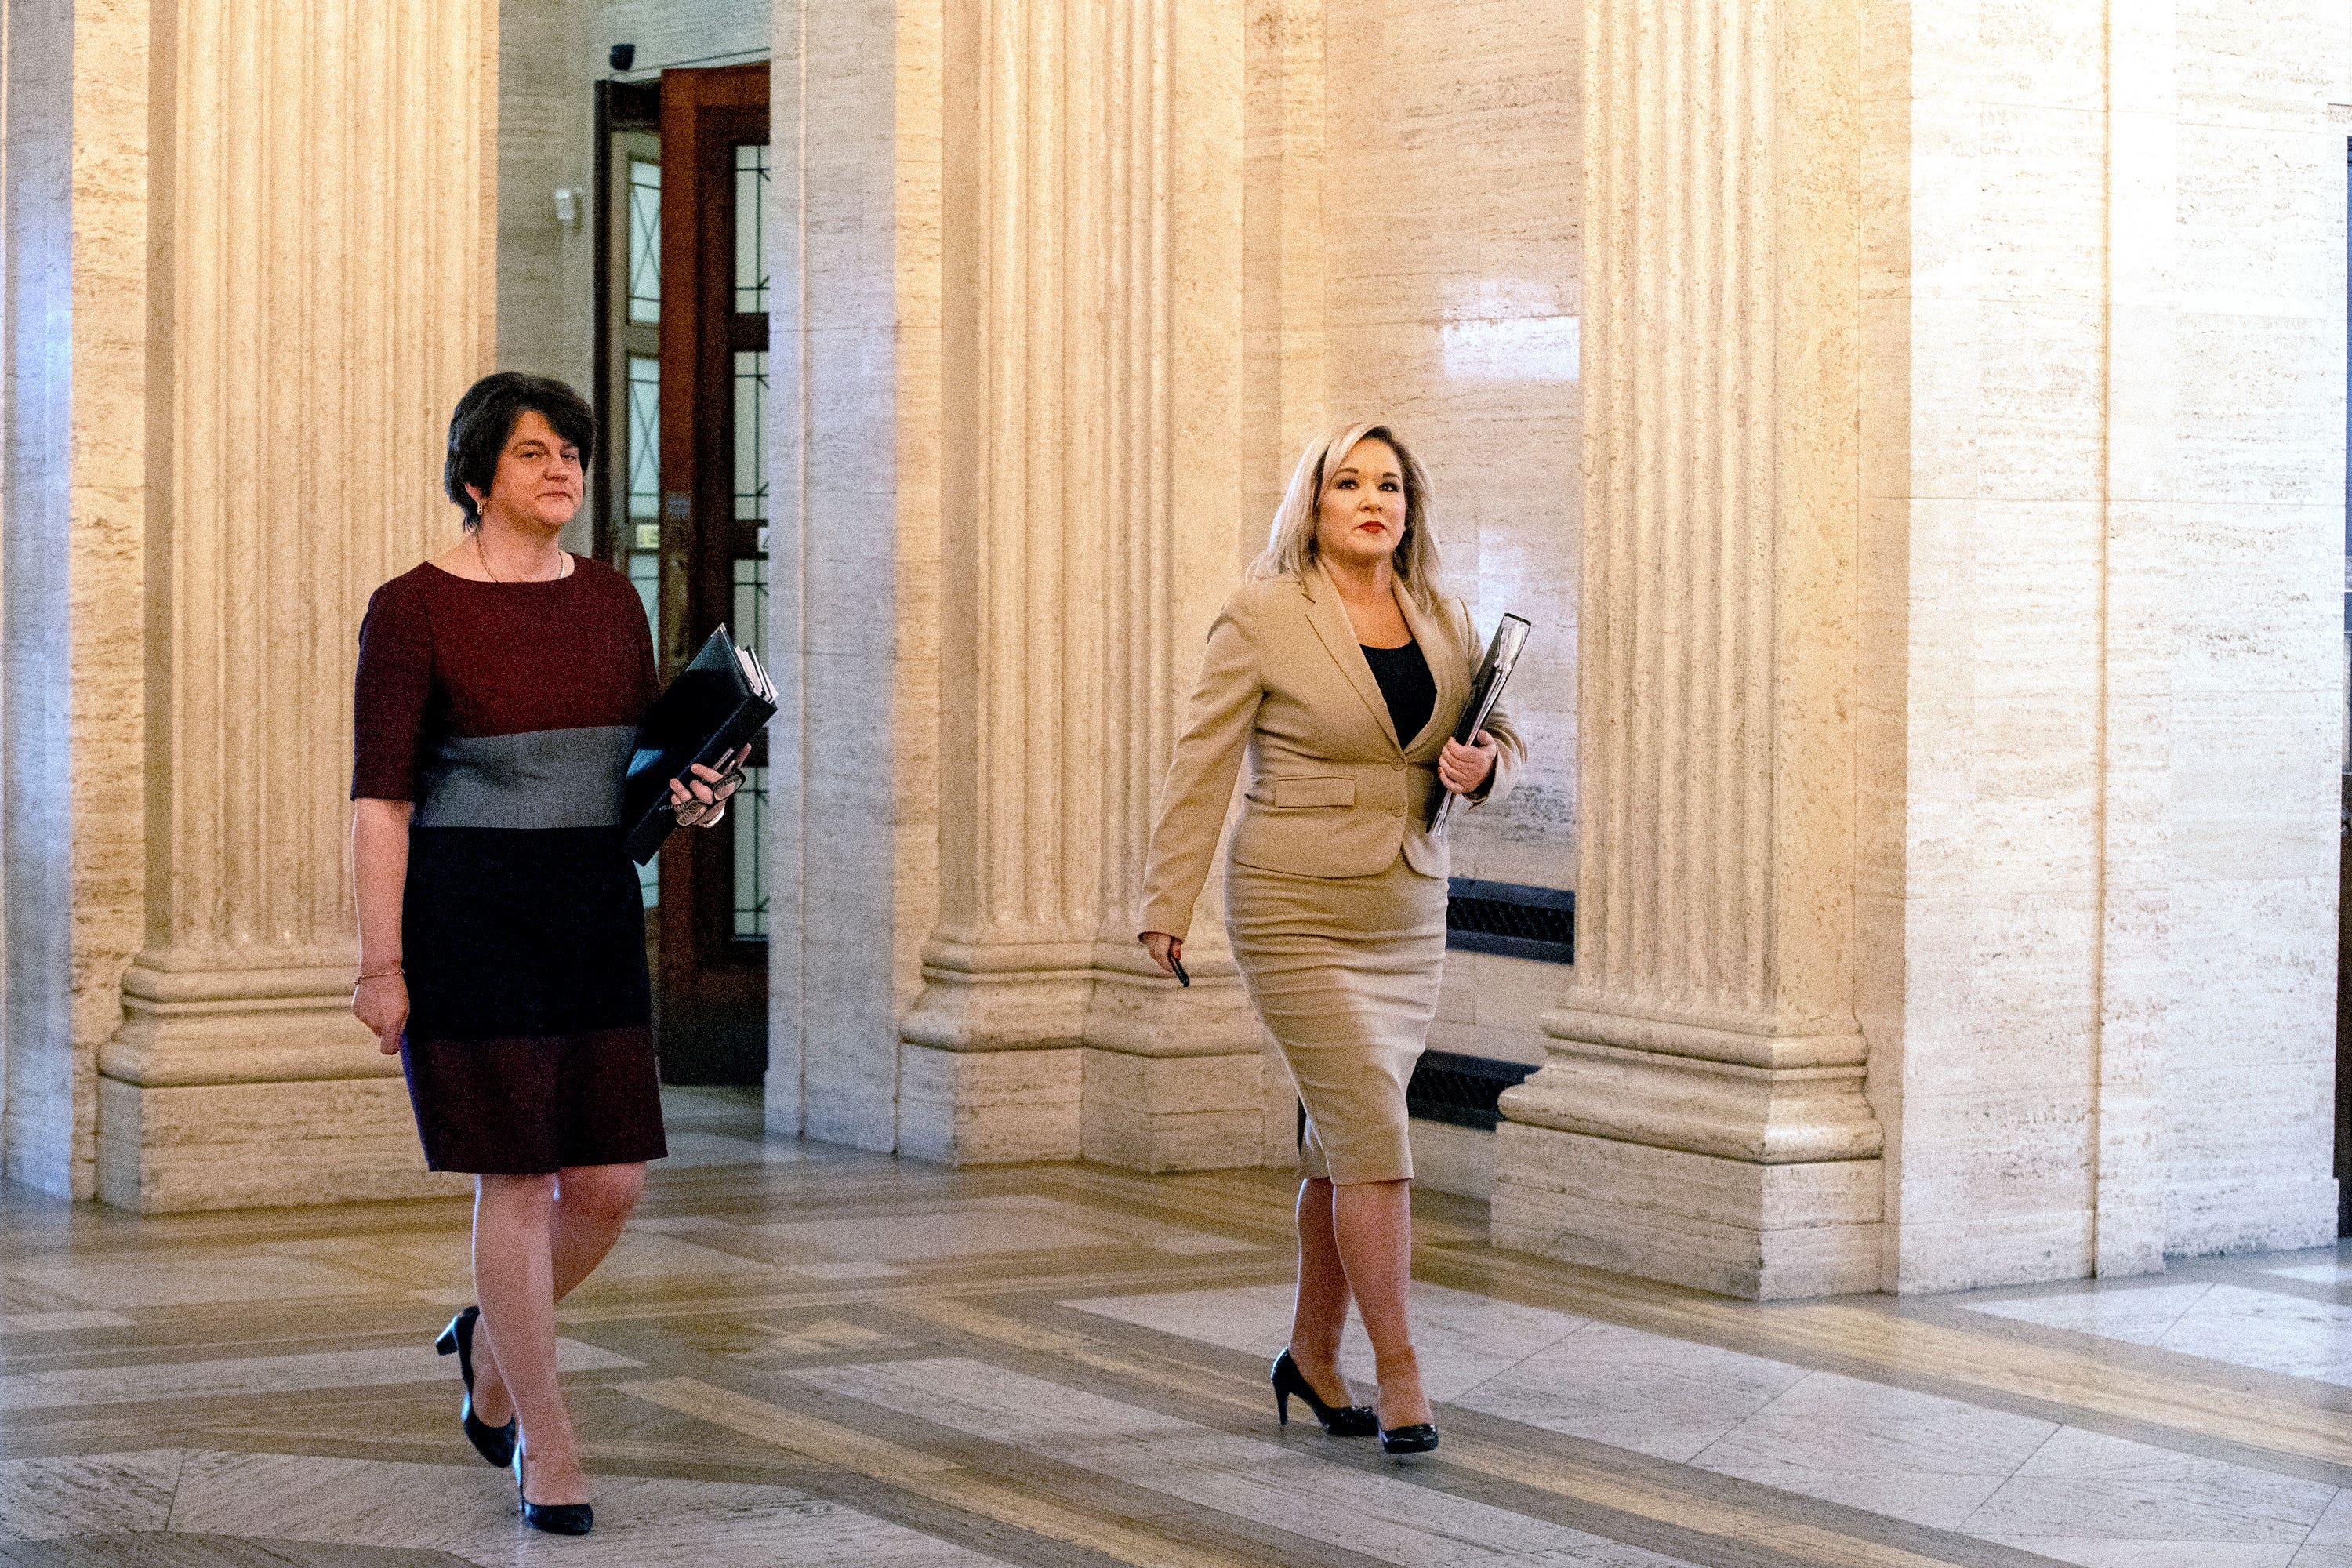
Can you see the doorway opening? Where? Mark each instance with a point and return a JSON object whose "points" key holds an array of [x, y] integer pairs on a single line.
{"points": [[680, 504]]}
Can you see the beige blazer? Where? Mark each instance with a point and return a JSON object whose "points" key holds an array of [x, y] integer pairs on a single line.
{"points": [[1334, 791]]}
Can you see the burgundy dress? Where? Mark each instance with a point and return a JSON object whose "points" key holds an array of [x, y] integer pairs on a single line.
{"points": [[507, 712]]}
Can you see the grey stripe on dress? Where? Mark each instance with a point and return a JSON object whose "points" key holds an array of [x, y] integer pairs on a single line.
{"points": [[541, 778]]}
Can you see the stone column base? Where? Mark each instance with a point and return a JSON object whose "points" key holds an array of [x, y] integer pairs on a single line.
{"points": [[261, 1145], [1734, 1226], [1175, 1078], [1173, 1113], [988, 1107], [250, 1089]]}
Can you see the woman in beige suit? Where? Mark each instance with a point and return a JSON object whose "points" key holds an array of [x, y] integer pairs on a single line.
{"points": [[1339, 670]]}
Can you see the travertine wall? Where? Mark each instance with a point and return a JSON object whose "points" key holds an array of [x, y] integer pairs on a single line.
{"points": [[2104, 414], [854, 378], [72, 637], [2013, 738], [1451, 185], [550, 54]]}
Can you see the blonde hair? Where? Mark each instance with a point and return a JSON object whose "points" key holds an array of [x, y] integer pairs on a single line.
{"points": [[1291, 546]]}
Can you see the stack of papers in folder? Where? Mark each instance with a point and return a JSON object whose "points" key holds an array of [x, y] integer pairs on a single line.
{"points": [[714, 707]]}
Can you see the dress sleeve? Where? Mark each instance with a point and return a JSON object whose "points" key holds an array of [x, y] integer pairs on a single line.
{"points": [[395, 681]]}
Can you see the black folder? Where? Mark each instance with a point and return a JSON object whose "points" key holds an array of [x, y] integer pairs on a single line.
{"points": [[1494, 673], [715, 706]]}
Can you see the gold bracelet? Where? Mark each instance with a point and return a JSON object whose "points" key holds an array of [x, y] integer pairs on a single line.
{"points": [[383, 973]]}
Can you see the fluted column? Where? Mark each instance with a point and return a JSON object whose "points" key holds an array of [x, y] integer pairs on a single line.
{"points": [[1701, 1115], [1066, 196], [1171, 1080], [324, 292]]}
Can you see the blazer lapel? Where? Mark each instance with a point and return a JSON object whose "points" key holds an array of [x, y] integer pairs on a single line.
{"points": [[1329, 617], [1437, 638]]}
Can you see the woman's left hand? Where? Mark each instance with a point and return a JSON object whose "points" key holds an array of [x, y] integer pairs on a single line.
{"points": [[704, 803], [1463, 768]]}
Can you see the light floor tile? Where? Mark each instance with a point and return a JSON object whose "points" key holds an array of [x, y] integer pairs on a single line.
{"points": [[977, 1229], [1277, 1485], [2088, 1486], [254, 1375], [43, 1499], [692, 1150], [1463, 1340], [2276, 1333], [2261, 1328], [989, 1401], [470, 1512], [2139, 1314], [59, 1322], [1887, 1450], [2331, 1273], [185, 1278], [2154, 1553], [2334, 1531], [1630, 1389], [1891, 1452], [411, 1260], [650, 1260]]}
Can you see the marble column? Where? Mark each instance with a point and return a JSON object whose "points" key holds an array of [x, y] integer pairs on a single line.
{"points": [[1091, 288], [1700, 1117], [323, 222], [1173, 1079]]}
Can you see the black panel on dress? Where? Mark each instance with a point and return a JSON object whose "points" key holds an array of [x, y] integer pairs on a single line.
{"points": [[513, 935]]}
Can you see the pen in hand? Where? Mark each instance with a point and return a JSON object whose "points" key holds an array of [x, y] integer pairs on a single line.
{"points": [[1168, 960]]}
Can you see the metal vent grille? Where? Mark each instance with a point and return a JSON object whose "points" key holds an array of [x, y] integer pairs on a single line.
{"points": [[1516, 921], [1449, 1087]]}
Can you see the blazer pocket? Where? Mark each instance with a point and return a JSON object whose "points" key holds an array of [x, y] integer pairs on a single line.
{"points": [[1290, 793]]}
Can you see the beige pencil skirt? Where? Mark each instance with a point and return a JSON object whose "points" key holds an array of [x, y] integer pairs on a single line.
{"points": [[1344, 971]]}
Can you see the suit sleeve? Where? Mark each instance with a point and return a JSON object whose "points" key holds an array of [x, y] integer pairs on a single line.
{"points": [[1510, 750], [1200, 784]]}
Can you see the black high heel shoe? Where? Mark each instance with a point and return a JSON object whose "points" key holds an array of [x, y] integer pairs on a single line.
{"points": [[555, 1518], [1417, 1438], [1339, 1420], [494, 1444]]}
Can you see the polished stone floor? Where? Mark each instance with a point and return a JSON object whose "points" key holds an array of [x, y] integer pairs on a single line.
{"points": [[801, 1355]]}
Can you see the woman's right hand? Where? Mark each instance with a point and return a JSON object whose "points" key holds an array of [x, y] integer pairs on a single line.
{"points": [[381, 1002], [1165, 950]]}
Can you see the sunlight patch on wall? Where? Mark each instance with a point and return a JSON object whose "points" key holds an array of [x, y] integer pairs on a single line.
{"points": [[1508, 329]]}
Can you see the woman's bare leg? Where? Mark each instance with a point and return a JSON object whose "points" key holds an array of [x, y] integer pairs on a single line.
{"points": [[1319, 1311], [513, 1223], [592, 1203], [1373, 1225]]}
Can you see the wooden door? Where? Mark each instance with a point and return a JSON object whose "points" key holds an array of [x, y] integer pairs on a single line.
{"points": [[711, 913]]}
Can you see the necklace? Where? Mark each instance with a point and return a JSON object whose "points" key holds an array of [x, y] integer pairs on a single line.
{"points": [[484, 557]]}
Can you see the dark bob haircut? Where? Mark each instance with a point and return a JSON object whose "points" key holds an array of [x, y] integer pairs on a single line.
{"points": [[486, 417]]}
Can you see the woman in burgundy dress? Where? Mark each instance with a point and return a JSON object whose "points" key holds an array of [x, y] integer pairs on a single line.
{"points": [[501, 927]]}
